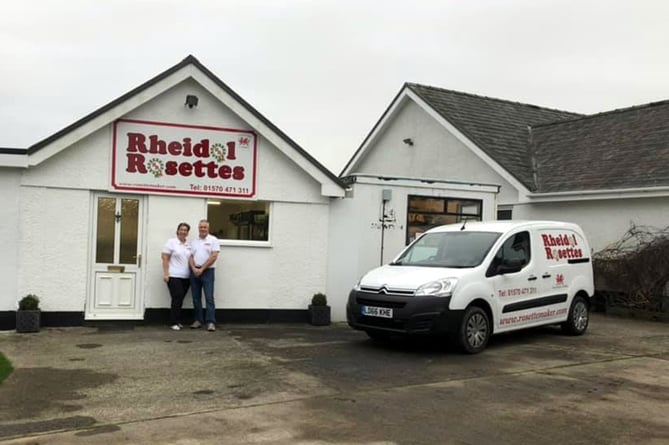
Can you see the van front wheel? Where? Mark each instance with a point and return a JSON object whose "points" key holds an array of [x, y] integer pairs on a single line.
{"points": [[474, 331], [579, 315]]}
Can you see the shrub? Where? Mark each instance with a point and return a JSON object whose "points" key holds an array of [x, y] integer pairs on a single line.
{"points": [[319, 299], [29, 303], [5, 367]]}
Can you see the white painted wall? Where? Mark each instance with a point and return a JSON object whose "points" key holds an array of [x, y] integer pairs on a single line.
{"points": [[355, 232], [436, 154], [604, 221], [83, 166], [10, 229], [53, 254]]}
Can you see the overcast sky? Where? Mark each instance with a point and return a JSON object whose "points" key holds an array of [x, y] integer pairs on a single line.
{"points": [[325, 70]]}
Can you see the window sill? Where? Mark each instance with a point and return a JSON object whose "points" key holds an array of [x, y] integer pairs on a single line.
{"points": [[244, 243]]}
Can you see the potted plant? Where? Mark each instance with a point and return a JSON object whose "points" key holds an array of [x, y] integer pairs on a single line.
{"points": [[319, 311], [28, 315]]}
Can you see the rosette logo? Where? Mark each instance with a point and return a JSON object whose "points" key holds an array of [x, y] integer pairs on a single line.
{"points": [[218, 151], [156, 167]]}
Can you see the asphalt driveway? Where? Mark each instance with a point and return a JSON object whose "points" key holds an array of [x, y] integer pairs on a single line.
{"points": [[298, 384]]}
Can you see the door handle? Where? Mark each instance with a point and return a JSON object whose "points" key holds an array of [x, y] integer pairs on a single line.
{"points": [[531, 278], [139, 260], [546, 275]]}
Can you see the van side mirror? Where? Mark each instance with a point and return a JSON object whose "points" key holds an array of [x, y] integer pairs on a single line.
{"points": [[510, 266]]}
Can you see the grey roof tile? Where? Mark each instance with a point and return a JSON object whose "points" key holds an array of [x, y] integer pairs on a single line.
{"points": [[619, 149]]}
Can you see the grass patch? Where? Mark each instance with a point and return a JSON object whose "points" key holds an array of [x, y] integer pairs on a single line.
{"points": [[5, 367]]}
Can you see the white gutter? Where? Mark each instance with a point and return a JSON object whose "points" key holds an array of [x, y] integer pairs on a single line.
{"points": [[586, 195], [422, 182]]}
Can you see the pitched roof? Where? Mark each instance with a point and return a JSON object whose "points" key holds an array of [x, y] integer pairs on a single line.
{"points": [[619, 149], [498, 127]]}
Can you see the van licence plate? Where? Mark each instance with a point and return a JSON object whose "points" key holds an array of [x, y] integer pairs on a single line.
{"points": [[373, 311]]}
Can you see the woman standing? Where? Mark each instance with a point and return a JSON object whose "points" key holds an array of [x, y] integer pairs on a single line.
{"points": [[176, 272]]}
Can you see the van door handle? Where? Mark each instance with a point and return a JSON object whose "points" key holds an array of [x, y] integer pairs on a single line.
{"points": [[531, 278], [546, 275]]}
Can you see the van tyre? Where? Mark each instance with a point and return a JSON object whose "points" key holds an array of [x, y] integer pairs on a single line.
{"points": [[474, 332], [579, 315]]}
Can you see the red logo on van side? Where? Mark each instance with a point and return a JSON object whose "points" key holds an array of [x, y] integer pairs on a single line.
{"points": [[559, 279], [563, 246]]}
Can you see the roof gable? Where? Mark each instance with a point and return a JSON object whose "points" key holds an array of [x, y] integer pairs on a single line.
{"points": [[498, 127], [189, 67], [496, 130]]}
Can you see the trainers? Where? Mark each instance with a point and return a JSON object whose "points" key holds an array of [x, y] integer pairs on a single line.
{"points": [[211, 327], [196, 324], [180, 326], [175, 327]]}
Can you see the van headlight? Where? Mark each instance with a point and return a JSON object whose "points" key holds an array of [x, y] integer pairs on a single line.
{"points": [[439, 288]]}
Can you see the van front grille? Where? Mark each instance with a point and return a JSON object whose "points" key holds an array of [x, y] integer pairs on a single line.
{"points": [[386, 291], [380, 303]]}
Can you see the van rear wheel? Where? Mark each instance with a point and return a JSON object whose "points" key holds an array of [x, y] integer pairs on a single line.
{"points": [[474, 332], [579, 315]]}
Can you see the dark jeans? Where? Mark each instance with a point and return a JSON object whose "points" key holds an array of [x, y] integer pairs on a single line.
{"points": [[204, 282], [178, 288]]}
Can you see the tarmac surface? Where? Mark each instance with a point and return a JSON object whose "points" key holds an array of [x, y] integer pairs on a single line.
{"points": [[300, 384]]}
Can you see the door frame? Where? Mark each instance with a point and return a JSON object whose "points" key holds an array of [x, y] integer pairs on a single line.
{"points": [[94, 270]]}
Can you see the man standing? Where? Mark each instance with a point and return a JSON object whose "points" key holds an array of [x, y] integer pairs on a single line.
{"points": [[205, 250]]}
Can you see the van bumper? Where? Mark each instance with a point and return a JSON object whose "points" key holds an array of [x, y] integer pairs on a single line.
{"points": [[411, 314]]}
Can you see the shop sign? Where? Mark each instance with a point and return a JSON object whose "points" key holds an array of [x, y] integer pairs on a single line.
{"points": [[156, 157]]}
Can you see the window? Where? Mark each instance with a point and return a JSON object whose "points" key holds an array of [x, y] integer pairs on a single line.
{"points": [[504, 214], [448, 249], [427, 212], [515, 251], [238, 220]]}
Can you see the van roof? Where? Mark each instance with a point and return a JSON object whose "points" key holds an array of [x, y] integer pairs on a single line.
{"points": [[503, 226]]}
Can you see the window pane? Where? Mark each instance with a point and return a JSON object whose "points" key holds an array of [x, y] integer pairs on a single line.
{"points": [[129, 220], [449, 249], [239, 220], [425, 213], [504, 214], [104, 242]]}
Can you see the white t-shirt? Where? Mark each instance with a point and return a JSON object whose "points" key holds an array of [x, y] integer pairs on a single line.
{"points": [[202, 249], [179, 255]]}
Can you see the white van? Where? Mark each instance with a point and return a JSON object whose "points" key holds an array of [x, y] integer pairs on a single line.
{"points": [[475, 279]]}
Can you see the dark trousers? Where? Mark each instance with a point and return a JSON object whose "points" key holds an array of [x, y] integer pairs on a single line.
{"points": [[204, 283], [178, 288]]}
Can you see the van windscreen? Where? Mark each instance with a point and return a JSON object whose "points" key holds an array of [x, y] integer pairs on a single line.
{"points": [[448, 249]]}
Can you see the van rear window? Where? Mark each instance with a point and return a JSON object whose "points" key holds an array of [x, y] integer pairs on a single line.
{"points": [[448, 249]]}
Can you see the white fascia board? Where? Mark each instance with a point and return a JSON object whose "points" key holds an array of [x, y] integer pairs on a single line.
{"points": [[14, 160], [426, 183], [378, 129], [590, 195], [328, 186], [108, 117], [468, 143]]}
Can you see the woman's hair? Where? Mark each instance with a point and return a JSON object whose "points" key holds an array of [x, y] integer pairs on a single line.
{"points": [[186, 225]]}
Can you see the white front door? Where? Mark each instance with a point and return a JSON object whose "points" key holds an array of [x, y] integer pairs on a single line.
{"points": [[116, 282]]}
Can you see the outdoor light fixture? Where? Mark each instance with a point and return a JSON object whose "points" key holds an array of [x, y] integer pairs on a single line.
{"points": [[191, 100], [408, 141]]}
